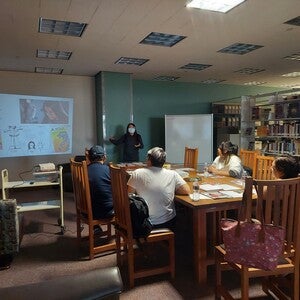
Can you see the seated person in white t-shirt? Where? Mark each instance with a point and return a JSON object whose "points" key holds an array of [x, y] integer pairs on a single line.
{"points": [[158, 186], [227, 163]]}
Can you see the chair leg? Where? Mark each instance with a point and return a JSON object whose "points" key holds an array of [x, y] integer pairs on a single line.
{"points": [[218, 275], [78, 223], [244, 284], [118, 245], [91, 241], [172, 257], [109, 231], [130, 255]]}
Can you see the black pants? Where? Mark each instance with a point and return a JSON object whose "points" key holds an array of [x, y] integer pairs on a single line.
{"points": [[171, 224]]}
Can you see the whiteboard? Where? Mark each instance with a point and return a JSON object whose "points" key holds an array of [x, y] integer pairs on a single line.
{"points": [[189, 131]]}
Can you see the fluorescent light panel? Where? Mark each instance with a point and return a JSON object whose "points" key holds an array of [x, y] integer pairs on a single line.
{"points": [[166, 78], [61, 27], [65, 55], [197, 67], [131, 61], [255, 83], [48, 70], [240, 48], [295, 56], [211, 80], [215, 5], [162, 39], [292, 74], [295, 21], [249, 71]]}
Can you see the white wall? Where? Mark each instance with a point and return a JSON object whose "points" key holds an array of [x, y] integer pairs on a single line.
{"points": [[80, 88]]}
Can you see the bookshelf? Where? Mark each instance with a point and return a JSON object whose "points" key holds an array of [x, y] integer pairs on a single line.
{"points": [[226, 119], [277, 126]]}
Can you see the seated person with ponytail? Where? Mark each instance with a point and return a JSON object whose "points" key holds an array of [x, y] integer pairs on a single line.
{"points": [[227, 163]]}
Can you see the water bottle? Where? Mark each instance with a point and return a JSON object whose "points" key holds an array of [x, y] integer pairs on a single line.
{"points": [[244, 175], [195, 190], [205, 170]]}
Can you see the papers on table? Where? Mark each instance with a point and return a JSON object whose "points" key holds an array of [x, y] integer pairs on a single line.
{"points": [[182, 173], [217, 187], [197, 197], [217, 191]]}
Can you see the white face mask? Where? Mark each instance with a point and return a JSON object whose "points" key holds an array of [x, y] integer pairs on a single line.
{"points": [[131, 130]]}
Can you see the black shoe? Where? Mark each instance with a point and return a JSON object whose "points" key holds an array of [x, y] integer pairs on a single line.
{"points": [[97, 229], [5, 261]]}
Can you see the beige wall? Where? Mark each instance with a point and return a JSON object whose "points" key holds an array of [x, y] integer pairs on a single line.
{"points": [[80, 88]]}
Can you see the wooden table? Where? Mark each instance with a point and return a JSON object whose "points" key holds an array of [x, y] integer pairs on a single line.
{"points": [[200, 210]]}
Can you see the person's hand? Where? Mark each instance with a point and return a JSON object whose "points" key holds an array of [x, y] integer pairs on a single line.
{"points": [[137, 145], [212, 169]]}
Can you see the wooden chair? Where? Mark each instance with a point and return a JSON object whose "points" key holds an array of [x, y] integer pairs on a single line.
{"points": [[263, 167], [87, 157], [191, 158], [280, 199], [84, 213], [126, 245], [248, 159]]}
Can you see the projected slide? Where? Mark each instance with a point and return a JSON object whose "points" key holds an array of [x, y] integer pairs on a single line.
{"points": [[35, 125]]}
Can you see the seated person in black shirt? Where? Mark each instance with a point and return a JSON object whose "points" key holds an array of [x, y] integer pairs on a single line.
{"points": [[100, 184]]}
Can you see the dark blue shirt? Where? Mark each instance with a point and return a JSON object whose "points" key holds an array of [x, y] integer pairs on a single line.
{"points": [[100, 187]]}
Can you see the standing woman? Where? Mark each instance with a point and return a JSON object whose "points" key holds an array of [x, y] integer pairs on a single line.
{"points": [[132, 143], [227, 163]]}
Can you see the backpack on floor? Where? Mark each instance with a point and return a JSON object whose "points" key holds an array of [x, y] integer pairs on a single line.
{"points": [[141, 224]]}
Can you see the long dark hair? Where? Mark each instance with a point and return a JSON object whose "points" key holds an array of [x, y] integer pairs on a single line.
{"points": [[227, 149]]}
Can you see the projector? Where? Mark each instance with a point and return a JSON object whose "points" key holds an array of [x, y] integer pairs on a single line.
{"points": [[46, 167]]}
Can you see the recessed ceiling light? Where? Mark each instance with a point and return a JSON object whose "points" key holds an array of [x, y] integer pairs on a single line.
{"points": [[255, 83], [249, 71], [197, 67], [219, 6], [295, 56], [48, 70], [292, 74], [209, 81], [53, 54], [131, 61], [166, 78], [61, 27], [290, 85], [162, 39], [295, 21], [240, 48]]}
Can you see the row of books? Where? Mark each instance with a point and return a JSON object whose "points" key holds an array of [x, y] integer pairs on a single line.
{"points": [[227, 122], [226, 109], [284, 147], [291, 129], [279, 111]]}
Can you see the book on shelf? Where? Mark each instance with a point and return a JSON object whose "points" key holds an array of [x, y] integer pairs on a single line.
{"points": [[294, 109], [279, 111]]}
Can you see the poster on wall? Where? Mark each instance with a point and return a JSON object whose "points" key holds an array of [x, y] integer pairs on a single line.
{"points": [[35, 125]]}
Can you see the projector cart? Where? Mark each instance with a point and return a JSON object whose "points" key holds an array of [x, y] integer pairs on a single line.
{"points": [[41, 179]]}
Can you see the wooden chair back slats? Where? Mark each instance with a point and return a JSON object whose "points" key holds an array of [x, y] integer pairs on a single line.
{"points": [[263, 167], [126, 245], [84, 214], [121, 201], [248, 158], [278, 202], [191, 158]]}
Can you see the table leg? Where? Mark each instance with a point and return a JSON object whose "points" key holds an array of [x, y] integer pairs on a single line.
{"points": [[200, 251]]}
